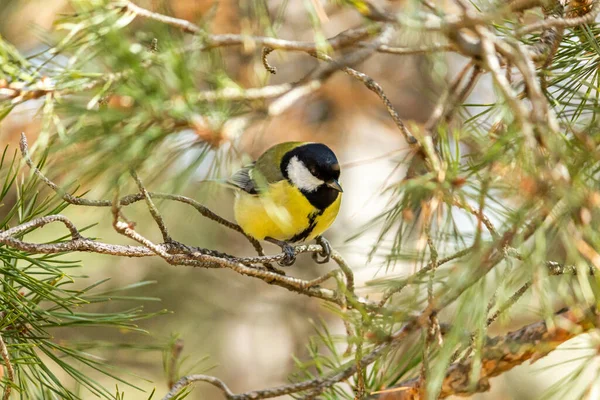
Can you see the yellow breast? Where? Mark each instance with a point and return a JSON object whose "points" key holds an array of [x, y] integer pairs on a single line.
{"points": [[283, 213]]}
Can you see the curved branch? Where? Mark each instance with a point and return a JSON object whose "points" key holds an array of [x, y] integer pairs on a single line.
{"points": [[40, 222], [130, 199], [188, 380], [503, 353], [173, 254]]}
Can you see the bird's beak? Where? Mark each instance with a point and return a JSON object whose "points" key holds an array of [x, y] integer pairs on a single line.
{"points": [[334, 184]]}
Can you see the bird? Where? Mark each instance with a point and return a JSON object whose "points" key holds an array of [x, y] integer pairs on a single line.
{"points": [[290, 194]]}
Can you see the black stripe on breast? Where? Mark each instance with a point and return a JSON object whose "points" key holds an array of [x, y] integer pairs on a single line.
{"points": [[321, 198], [312, 223]]}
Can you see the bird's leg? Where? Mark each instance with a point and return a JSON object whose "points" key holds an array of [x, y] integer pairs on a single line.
{"points": [[325, 253], [288, 250]]}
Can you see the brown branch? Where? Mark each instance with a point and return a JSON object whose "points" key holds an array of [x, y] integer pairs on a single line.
{"points": [[152, 208], [341, 40], [132, 198], [375, 88], [314, 386], [173, 252], [502, 353], [408, 51], [479, 215], [562, 22], [9, 368], [452, 97]]}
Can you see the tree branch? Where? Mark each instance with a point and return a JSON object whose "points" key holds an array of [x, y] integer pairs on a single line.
{"points": [[562, 22], [502, 353], [173, 252], [339, 41], [9, 368]]}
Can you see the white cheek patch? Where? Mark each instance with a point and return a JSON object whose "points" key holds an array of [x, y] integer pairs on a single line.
{"points": [[301, 176]]}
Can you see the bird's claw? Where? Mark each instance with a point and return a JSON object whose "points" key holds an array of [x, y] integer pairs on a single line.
{"points": [[289, 253], [289, 257], [325, 253]]}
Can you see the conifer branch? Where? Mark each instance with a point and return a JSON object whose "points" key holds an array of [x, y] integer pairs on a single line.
{"points": [[9, 369], [313, 386], [495, 50], [173, 252], [502, 353], [550, 23], [152, 208]]}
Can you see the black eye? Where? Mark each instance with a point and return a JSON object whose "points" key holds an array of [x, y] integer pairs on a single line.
{"points": [[313, 170]]}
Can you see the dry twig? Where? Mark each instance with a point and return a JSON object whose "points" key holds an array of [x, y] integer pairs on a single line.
{"points": [[9, 368]]}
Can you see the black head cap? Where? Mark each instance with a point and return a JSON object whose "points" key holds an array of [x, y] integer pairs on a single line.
{"points": [[323, 165], [318, 159]]}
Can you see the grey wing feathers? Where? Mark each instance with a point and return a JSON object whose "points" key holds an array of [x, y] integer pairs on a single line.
{"points": [[242, 179]]}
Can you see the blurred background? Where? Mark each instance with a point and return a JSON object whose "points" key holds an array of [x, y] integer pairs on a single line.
{"points": [[239, 329]]}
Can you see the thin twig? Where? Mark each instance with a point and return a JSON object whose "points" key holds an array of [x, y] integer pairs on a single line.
{"points": [[561, 22], [153, 210], [480, 216], [132, 198], [541, 111], [509, 303], [408, 51], [447, 100], [265, 53], [40, 222], [341, 40], [337, 257], [420, 274], [493, 64], [360, 390], [9, 369], [188, 380], [375, 88]]}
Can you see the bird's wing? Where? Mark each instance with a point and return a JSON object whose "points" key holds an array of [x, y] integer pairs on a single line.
{"points": [[268, 164], [242, 179], [266, 170]]}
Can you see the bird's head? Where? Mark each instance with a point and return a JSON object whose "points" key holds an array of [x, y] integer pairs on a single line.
{"points": [[312, 167]]}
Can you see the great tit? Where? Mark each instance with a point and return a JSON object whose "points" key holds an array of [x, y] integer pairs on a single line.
{"points": [[289, 194]]}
